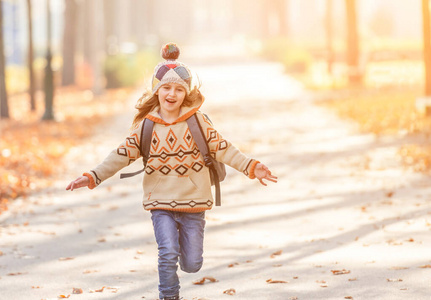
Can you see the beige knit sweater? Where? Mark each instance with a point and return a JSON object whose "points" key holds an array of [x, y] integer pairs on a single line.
{"points": [[175, 176]]}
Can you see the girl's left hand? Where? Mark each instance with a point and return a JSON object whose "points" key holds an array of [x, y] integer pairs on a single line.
{"points": [[262, 172]]}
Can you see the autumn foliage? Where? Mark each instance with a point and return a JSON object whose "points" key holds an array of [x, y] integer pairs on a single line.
{"points": [[390, 113], [32, 150]]}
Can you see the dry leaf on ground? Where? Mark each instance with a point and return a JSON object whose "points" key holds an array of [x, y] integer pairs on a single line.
{"points": [[16, 274], [394, 280], [97, 291], [90, 271], [230, 292], [77, 291], [425, 266], [276, 281], [65, 258], [204, 279], [340, 272], [279, 252], [63, 296]]}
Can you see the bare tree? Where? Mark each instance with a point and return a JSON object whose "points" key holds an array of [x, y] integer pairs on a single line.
{"points": [[69, 43], [4, 108], [31, 90], [352, 43], [427, 45], [49, 76]]}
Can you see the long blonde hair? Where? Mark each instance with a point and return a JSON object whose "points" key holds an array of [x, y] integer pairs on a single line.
{"points": [[149, 101]]}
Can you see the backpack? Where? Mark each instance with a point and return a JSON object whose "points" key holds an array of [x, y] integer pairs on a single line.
{"points": [[217, 169]]}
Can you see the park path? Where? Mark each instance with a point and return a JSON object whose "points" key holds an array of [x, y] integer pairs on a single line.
{"points": [[344, 220]]}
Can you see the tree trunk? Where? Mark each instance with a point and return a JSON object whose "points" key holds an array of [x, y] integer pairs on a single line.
{"points": [[4, 108], [354, 73], [427, 45], [49, 76], [329, 46], [94, 44], [280, 11], [32, 85], [69, 43]]}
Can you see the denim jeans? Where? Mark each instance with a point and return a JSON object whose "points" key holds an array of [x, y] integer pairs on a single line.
{"points": [[180, 237]]}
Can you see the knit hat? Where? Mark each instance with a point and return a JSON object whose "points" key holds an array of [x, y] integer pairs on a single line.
{"points": [[171, 70]]}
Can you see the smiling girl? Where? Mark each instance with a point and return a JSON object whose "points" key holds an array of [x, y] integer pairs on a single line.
{"points": [[177, 187]]}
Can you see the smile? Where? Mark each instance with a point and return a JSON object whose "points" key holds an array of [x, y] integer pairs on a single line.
{"points": [[170, 101]]}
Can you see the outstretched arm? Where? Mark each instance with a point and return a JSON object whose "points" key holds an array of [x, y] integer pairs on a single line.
{"points": [[262, 172], [79, 182]]}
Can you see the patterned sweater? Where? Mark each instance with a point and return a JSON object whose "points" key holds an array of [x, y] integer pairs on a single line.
{"points": [[176, 177]]}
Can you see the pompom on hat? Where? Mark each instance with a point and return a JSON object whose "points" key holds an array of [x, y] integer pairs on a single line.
{"points": [[171, 70]]}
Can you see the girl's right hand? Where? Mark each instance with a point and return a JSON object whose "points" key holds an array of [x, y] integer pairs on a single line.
{"points": [[79, 182]]}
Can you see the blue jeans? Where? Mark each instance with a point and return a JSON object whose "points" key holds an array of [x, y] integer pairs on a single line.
{"points": [[180, 237]]}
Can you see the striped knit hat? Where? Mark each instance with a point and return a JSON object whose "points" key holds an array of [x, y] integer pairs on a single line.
{"points": [[171, 70]]}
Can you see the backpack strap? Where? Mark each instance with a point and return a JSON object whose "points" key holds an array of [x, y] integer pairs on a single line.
{"points": [[144, 146], [146, 134], [199, 137]]}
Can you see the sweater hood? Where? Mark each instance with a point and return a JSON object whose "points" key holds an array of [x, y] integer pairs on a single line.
{"points": [[185, 113]]}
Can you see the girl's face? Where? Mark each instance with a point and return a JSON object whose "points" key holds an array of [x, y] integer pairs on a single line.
{"points": [[171, 97]]}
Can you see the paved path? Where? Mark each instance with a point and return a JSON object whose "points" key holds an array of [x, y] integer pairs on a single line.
{"points": [[343, 205]]}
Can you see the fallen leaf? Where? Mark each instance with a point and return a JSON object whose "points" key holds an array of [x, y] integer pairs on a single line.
{"points": [[279, 252], [398, 268], [276, 281], [411, 240], [293, 298], [394, 280], [352, 279], [389, 194], [233, 265], [63, 296], [425, 266], [340, 272], [90, 271], [77, 291], [202, 280], [97, 291], [65, 258], [113, 289], [295, 277], [277, 266], [324, 285], [230, 292], [36, 287], [16, 274], [320, 281], [102, 240], [248, 261], [348, 297]]}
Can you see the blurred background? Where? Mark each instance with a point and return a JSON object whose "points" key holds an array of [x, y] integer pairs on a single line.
{"points": [[63, 61]]}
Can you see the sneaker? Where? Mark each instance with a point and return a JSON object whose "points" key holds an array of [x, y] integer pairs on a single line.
{"points": [[172, 298]]}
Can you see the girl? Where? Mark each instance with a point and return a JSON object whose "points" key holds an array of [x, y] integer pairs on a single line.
{"points": [[177, 188]]}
